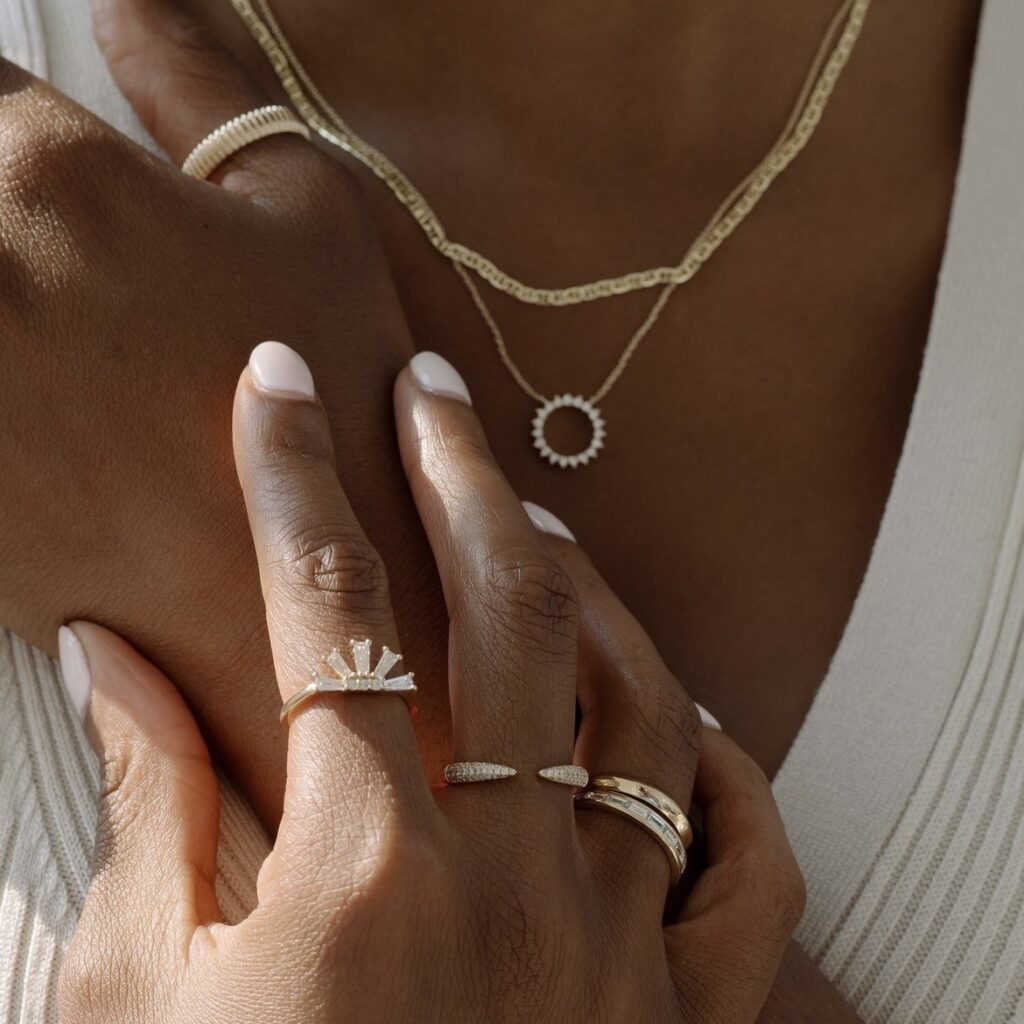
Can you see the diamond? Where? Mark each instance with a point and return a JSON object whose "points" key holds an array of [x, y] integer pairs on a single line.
{"points": [[477, 771], [566, 775], [361, 654]]}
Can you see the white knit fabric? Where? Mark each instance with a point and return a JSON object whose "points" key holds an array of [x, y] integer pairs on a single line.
{"points": [[903, 794]]}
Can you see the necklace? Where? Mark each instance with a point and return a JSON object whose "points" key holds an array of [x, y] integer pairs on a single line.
{"points": [[829, 61]]}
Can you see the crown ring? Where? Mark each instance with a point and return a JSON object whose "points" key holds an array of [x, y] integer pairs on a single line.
{"points": [[336, 675]]}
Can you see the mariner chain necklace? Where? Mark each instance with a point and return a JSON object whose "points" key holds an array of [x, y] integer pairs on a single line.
{"points": [[829, 61]]}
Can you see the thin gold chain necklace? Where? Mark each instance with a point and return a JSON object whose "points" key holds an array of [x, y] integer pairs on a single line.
{"points": [[829, 61]]}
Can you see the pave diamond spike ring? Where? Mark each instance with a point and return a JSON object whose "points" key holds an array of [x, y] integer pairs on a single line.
{"points": [[566, 775], [336, 675], [657, 826], [238, 133], [477, 771]]}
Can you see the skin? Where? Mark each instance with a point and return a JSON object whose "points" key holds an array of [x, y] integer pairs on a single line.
{"points": [[755, 604], [757, 432], [382, 900]]}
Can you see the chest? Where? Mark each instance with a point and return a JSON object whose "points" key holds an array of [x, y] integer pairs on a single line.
{"points": [[753, 437]]}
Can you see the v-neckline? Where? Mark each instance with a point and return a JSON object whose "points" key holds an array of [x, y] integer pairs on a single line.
{"points": [[937, 558]]}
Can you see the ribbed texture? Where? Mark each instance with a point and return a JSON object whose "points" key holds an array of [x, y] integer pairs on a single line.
{"points": [[49, 781], [903, 794]]}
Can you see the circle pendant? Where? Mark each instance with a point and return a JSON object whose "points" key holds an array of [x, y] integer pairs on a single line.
{"points": [[597, 431]]}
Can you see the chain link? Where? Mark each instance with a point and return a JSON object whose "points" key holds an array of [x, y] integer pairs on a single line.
{"points": [[318, 113]]}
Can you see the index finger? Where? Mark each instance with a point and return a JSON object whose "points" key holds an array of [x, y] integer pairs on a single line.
{"points": [[183, 84], [352, 757]]}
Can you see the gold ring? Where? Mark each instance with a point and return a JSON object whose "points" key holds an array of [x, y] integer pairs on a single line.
{"points": [[337, 676], [238, 133], [661, 802], [641, 814]]}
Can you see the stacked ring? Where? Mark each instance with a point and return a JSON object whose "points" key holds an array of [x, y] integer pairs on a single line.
{"points": [[654, 811], [653, 798]]}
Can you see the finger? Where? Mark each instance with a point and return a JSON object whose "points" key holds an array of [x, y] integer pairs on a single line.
{"points": [[183, 84], [749, 898], [154, 862], [352, 764], [512, 608], [637, 720]]}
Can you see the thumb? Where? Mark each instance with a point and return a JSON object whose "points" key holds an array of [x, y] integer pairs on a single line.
{"points": [[156, 846]]}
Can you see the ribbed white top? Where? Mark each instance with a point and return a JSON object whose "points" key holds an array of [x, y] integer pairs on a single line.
{"points": [[904, 793]]}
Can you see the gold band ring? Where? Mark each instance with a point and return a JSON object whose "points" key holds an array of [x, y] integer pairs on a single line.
{"points": [[654, 798], [337, 676], [639, 813], [238, 133]]}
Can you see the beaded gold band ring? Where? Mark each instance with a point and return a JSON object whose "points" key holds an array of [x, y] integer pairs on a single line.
{"points": [[239, 132], [336, 675]]}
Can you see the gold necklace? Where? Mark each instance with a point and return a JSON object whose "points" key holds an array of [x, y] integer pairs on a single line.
{"points": [[826, 67]]}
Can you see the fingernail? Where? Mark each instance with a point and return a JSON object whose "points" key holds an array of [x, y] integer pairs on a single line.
{"points": [[438, 376], [74, 669], [709, 719], [281, 370], [547, 522]]}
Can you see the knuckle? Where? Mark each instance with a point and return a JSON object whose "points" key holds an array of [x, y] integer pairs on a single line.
{"points": [[533, 595], [662, 714], [338, 569]]}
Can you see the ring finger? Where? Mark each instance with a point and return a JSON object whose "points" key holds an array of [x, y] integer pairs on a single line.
{"points": [[638, 721]]}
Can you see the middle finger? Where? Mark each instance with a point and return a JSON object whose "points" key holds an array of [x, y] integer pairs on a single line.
{"points": [[512, 608]]}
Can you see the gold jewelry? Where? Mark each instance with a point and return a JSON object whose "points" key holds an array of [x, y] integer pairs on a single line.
{"points": [[566, 775], [336, 676], [825, 70], [640, 814], [477, 771], [238, 133], [653, 798]]}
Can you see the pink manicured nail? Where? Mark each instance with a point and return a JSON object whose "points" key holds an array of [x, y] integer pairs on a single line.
{"points": [[547, 522], [438, 376], [74, 670], [709, 719], [281, 370]]}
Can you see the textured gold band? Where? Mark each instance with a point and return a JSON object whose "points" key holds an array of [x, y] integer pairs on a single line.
{"points": [[654, 798], [238, 133], [639, 813]]}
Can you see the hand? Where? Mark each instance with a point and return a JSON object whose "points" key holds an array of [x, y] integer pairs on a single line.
{"points": [[129, 295], [492, 901]]}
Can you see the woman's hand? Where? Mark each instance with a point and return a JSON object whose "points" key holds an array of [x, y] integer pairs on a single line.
{"points": [[491, 901], [129, 295]]}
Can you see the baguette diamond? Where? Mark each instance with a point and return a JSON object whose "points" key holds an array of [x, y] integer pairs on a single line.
{"points": [[336, 675]]}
